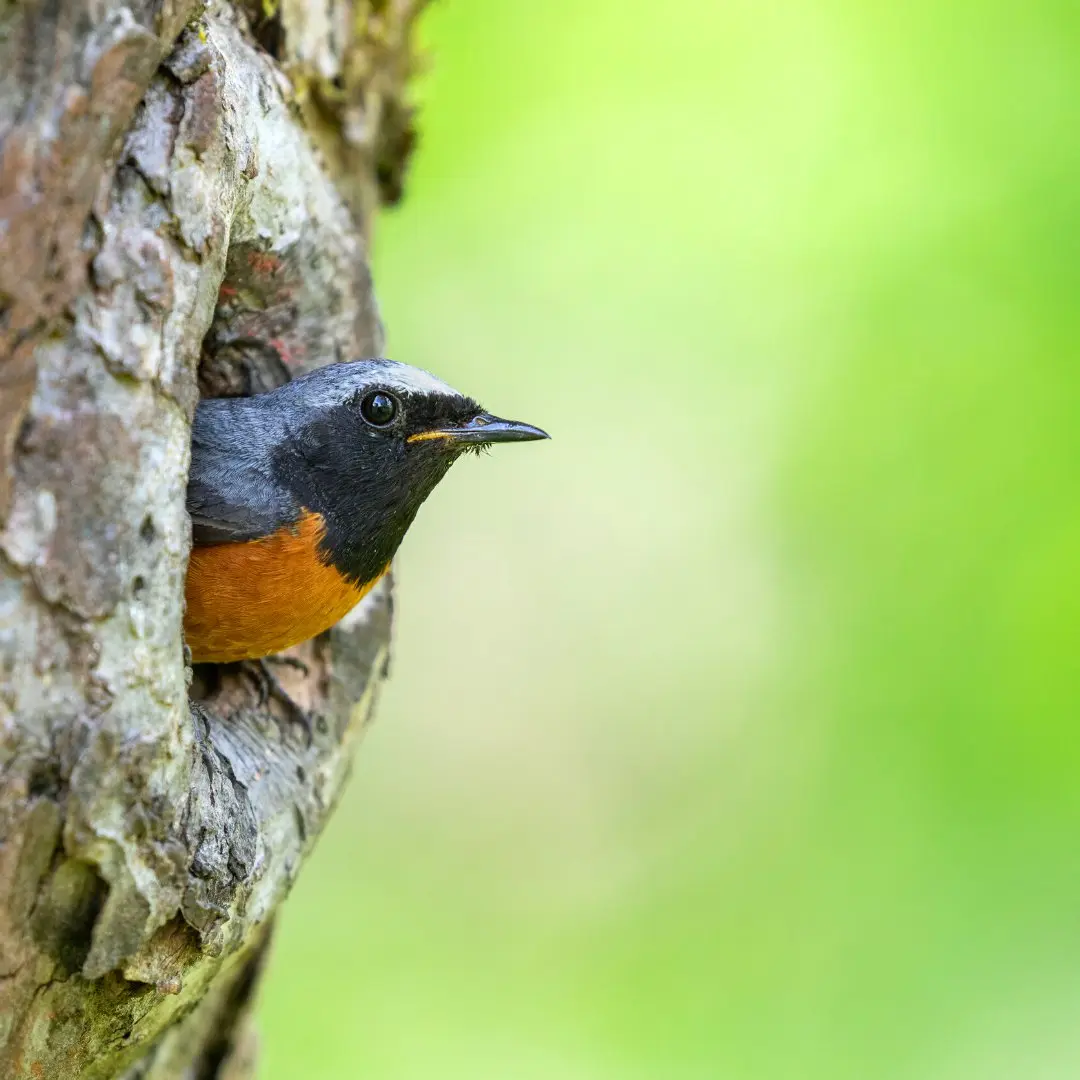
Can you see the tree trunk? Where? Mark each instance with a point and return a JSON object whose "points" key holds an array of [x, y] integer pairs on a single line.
{"points": [[185, 192]]}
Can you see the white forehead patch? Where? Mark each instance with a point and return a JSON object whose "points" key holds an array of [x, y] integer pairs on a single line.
{"points": [[328, 384], [408, 379]]}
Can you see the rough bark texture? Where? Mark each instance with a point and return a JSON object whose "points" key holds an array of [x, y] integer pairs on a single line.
{"points": [[185, 191]]}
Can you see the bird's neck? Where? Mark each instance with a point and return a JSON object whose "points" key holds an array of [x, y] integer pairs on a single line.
{"points": [[367, 509]]}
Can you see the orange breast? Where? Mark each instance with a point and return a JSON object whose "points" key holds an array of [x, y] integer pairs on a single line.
{"points": [[255, 598]]}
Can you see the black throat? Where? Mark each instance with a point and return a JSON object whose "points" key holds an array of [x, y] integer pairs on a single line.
{"points": [[367, 488]]}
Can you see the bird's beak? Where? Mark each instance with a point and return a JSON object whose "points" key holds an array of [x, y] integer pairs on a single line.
{"points": [[484, 428]]}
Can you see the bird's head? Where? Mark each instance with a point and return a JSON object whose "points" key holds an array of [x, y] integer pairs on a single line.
{"points": [[367, 442]]}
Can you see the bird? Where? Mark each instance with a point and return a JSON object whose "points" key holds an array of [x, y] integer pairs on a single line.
{"points": [[299, 497]]}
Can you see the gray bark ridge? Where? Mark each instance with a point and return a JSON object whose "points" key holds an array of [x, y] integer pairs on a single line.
{"points": [[168, 226]]}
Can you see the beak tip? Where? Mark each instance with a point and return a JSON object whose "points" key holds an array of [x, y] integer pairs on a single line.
{"points": [[492, 429]]}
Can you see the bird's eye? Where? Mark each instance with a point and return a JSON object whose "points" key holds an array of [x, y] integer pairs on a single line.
{"points": [[378, 408]]}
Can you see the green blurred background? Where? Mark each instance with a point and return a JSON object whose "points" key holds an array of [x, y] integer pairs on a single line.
{"points": [[731, 734]]}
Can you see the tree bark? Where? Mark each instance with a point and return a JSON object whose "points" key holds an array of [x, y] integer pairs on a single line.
{"points": [[185, 193]]}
